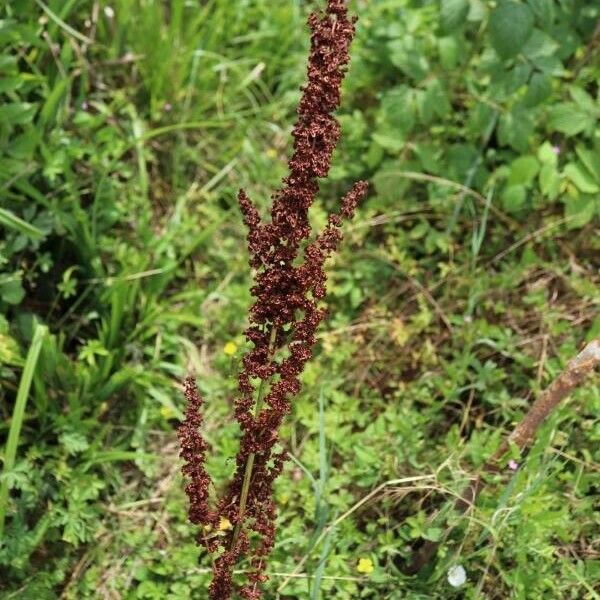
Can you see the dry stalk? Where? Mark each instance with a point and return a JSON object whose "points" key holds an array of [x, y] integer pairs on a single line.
{"points": [[574, 375]]}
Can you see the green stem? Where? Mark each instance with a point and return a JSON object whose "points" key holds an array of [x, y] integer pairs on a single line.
{"points": [[252, 455], [12, 442]]}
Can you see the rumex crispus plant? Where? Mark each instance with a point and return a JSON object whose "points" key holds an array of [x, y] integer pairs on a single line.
{"points": [[289, 283]]}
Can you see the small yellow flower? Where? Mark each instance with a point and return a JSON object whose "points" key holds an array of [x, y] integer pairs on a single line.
{"points": [[225, 524], [365, 565], [166, 412], [271, 152], [230, 348]]}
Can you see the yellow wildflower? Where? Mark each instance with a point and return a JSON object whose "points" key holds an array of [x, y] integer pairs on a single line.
{"points": [[230, 348], [225, 524], [166, 412], [365, 565]]}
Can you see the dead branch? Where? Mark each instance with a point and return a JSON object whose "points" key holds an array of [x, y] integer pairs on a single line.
{"points": [[575, 373]]}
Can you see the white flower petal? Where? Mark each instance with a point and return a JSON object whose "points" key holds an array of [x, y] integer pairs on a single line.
{"points": [[457, 576]]}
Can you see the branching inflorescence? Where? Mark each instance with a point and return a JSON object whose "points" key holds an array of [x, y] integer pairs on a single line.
{"points": [[283, 322]]}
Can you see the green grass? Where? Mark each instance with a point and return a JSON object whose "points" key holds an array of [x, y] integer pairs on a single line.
{"points": [[467, 280], [17, 419]]}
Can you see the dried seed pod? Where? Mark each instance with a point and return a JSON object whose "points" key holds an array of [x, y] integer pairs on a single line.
{"points": [[283, 319]]}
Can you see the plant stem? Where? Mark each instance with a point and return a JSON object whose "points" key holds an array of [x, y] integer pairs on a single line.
{"points": [[575, 373], [252, 455], [17, 417]]}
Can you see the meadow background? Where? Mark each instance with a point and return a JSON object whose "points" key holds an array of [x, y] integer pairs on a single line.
{"points": [[468, 278]]}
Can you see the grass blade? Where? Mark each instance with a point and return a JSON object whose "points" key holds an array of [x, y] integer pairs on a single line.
{"points": [[11, 221], [18, 414], [63, 25]]}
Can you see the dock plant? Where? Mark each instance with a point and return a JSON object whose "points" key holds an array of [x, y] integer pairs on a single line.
{"points": [[287, 259]]}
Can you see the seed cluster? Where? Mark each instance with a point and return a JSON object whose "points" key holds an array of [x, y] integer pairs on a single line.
{"points": [[283, 320]]}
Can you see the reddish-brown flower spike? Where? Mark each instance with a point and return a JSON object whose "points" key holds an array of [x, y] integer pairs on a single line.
{"points": [[193, 452], [283, 320]]}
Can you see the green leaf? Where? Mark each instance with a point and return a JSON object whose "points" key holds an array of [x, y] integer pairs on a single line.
{"points": [[405, 55], [395, 119], [50, 107], [17, 113], [10, 451], [389, 182], [539, 88], [74, 442], [10, 84], [515, 128], [509, 27], [549, 181], [547, 154], [539, 45], [581, 178], [448, 50], [567, 118], [590, 159], [544, 11], [12, 291], [523, 170], [580, 211], [11, 221], [434, 534], [513, 198], [10, 353], [583, 100], [453, 14]]}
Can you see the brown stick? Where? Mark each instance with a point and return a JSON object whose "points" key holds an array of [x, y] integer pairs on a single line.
{"points": [[572, 377]]}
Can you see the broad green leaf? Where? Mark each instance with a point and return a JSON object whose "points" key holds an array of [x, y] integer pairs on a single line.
{"points": [[17, 113], [513, 198], [405, 55], [584, 100], [580, 211], [509, 27], [567, 118], [591, 159], [389, 183], [12, 291], [539, 88], [10, 353], [543, 10], [523, 170], [453, 13], [515, 128], [432, 102], [10, 84], [448, 50], [433, 534], [539, 45], [391, 142], [548, 154], [23, 146], [581, 178], [549, 180], [395, 119]]}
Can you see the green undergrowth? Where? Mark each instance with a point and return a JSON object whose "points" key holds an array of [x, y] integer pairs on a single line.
{"points": [[468, 278]]}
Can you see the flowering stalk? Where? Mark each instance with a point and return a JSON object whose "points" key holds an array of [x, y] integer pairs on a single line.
{"points": [[283, 322]]}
